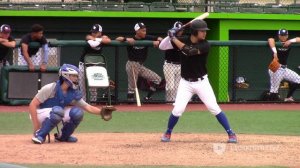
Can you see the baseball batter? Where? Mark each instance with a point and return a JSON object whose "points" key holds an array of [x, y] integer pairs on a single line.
{"points": [[29, 56], [137, 55], [283, 73], [61, 101], [194, 79], [172, 67], [7, 43], [95, 40]]}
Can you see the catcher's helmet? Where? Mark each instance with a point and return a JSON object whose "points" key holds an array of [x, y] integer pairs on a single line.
{"points": [[199, 25], [64, 73], [177, 25]]}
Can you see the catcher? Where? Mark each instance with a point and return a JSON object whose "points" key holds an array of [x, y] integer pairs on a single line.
{"points": [[61, 101], [278, 70]]}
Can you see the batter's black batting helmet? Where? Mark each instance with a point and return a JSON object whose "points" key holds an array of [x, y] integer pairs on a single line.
{"points": [[199, 25]]}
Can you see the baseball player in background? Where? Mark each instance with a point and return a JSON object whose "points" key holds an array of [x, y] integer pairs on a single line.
{"points": [[29, 55], [194, 79], [172, 67], [283, 73], [137, 55], [7, 43], [95, 41], [60, 101]]}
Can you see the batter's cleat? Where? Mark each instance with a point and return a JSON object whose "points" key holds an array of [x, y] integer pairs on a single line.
{"points": [[166, 138], [289, 99], [232, 139], [37, 140], [70, 139]]}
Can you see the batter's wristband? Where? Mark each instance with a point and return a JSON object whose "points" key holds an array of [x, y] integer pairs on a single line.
{"points": [[124, 39]]}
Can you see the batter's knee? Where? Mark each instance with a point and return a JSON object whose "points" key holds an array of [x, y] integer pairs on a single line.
{"points": [[56, 114], [76, 115], [177, 112]]}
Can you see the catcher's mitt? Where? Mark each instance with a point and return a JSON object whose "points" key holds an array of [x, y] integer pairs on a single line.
{"points": [[274, 65], [106, 112]]}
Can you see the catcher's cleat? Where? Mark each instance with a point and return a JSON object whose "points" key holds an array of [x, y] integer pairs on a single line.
{"points": [[37, 140], [166, 138], [232, 138], [71, 139]]}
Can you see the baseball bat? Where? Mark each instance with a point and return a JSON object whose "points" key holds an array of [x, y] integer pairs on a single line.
{"points": [[137, 95], [200, 17]]}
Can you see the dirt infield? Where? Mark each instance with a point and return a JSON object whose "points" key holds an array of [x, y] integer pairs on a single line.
{"points": [[146, 149]]}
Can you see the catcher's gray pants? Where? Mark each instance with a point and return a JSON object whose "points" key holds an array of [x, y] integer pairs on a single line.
{"points": [[172, 74], [281, 74], [136, 69], [82, 84]]}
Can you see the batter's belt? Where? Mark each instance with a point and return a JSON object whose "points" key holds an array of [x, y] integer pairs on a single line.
{"points": [[194, 79]]}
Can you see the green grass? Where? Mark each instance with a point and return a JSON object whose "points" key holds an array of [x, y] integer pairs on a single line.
{"points": [[248, 122]]}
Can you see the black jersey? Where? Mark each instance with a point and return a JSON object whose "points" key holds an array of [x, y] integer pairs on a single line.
{"points": [[283, 54], [26, 39], [173, 55], [89, 50], [5, 50], [139, 53], [194, 66]]}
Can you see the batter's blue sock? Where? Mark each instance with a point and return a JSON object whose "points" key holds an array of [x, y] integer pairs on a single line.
{"points": [[224, 122], [171, 124]]}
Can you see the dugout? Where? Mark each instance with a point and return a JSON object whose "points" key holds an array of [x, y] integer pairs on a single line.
{"points": [[251, 62]]}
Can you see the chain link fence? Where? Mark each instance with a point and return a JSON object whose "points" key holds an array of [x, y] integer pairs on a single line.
{"points": [[53, 56]]}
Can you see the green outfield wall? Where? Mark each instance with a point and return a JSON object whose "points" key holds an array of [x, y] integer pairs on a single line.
{"points": [[74, 25]]}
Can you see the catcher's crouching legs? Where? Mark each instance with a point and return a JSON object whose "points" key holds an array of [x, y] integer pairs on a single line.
{"points": [[76, 116], [48, 124]]}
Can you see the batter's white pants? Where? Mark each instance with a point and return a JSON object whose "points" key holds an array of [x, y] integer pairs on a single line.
{"points": [[202, 88], [282, 74], [36, 59], [44, 113], [172, 74]]}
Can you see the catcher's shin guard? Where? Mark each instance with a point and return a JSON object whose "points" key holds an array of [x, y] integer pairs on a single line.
{"points": [[48, 124], [76, 115]]}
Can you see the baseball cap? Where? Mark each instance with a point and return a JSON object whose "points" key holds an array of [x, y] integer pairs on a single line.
{"points": [[139, 25], [5, 28], [96, 28], [177, 25], [283, 32]]}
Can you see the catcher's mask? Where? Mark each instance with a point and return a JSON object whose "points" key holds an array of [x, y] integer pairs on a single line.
{"points": [[64, 73]]}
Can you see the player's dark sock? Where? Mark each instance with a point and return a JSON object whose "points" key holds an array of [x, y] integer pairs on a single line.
{"points": [[224, 122], [292, 89], [171, 124]]}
